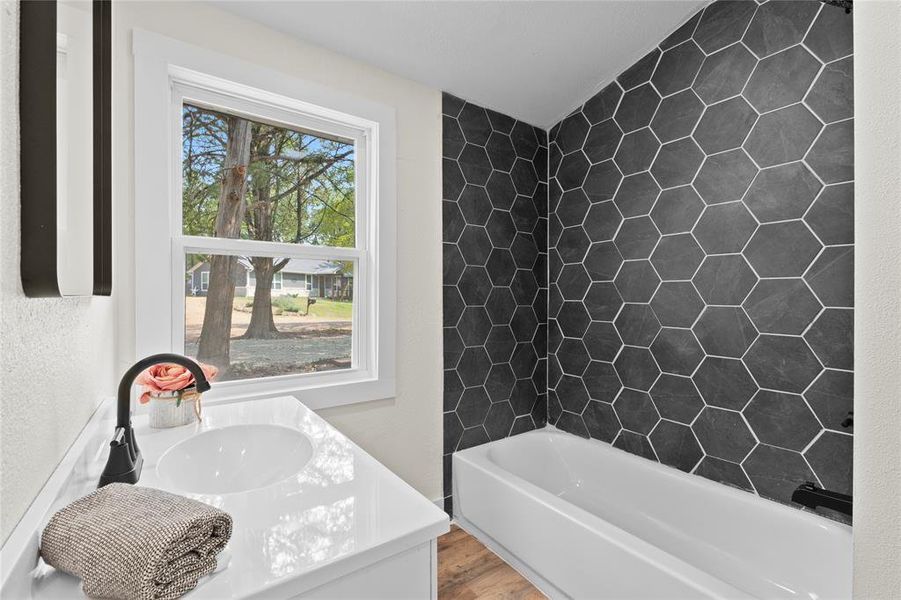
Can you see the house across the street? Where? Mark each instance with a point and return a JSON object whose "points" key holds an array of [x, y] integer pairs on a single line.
{"points": [[304, 277]]}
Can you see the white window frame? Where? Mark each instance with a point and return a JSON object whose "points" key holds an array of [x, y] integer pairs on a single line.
{"points": [[204, 281], [169, 72], [278, 281]]}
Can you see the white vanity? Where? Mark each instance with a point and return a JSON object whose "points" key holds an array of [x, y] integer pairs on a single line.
{"points": [[314, 515]]}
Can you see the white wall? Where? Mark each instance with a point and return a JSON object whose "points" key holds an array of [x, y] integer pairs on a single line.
{"points": [[56, 355], [404, 432], [877, 360]]}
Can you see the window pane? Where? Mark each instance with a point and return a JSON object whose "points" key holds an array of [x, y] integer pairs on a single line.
{"points": [[296, 186], [239, 319]]}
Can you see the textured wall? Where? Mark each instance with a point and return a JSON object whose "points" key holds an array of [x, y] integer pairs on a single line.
{"points": [[57, 356], [701, 259], [495, 277]]}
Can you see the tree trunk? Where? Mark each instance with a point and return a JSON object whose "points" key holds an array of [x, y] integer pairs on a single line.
{"points": [[217, 318], [262, 324]]}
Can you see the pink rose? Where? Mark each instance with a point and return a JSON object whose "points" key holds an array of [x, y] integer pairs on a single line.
{"points": [[169, 378]]}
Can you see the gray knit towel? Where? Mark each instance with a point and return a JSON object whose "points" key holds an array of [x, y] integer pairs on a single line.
{"points": [[130, 542]]}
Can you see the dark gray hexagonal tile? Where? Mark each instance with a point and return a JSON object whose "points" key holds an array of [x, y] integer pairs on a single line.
{"points": [[602, 381], [831, 35], [524, 323], [602, 105], [636, 281], [474, 164], [572, 423], [475, 245], [473, 407], [724, 74], [677, 116], [603, 301], [723, 23], [724, 280], [572, 170], [524, 360], [524, 139], [500, 382], [554, 409], [602, 341], [832, 155], [603, 261], [677, 68], [601, 421], [523, 397], [525, 423], [451, 105], [525, 252], [677, 351], [677, 257], [782, 363], [782, 249], [830, 457], [452, 221], [452, 181], [572, 245], [500, 190], [637, 325], [499, 420], [831, 397], [572, 132], [640, 72], [636, 151], [501, 229], [831, 276], [573, 282], [635, 443], [525, 179], [453, 430], [452, 346], [453, 305], [500, 122], [637, 107], [500, 306], [474, 326], [784, 306], [832, 96], [636, 368], [682, 33], [783, 192], [453, 264], [602, 141], [782, 136], [723, 434], [572, 394], [724, 125], [474, 286], [677, 163], [832, 215], [781, 79], [725, 331], [776, 473], [636, 195], [500, 267], [725, 472], [676, 445], [474, 123], [832, 338], [725, 228], [500, 151], [783, 420], [677, 304], [677, 210], [473, 366], [636, 411], [724, 382], [524, 215], [676, 398], [572, 207], [778, 25], [452, 137], [725, 177], [573, 319], [636, 238], [524, 287], [572, 356], [602, 221], [602, 181]]}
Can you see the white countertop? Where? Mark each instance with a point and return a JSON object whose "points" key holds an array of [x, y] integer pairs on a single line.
{"points": [[341, 512]]}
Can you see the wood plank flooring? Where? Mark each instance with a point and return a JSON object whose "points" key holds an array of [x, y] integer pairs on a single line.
{"points": [[467, 570]]}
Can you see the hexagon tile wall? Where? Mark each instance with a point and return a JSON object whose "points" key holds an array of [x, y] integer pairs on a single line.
{"points": [[701, 251], [495, 277]]}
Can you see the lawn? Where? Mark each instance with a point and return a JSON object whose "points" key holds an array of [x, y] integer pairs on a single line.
{"points": [[289, 305]]}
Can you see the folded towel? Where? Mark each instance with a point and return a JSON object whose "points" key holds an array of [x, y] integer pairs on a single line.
{"points": [[128, 542]]}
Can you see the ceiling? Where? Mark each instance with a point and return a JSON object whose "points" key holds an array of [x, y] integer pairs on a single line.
{"points": [[535, 61]]}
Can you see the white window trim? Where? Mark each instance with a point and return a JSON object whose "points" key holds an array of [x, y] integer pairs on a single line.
{"points": [[204, 281], [278, 281], [161, 65]]}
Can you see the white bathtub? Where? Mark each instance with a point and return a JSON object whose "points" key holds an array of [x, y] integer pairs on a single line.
{"points": [[582, 519]]}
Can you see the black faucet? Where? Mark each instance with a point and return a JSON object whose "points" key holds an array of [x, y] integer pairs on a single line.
{"points": [[809, 495], [125, 460]]}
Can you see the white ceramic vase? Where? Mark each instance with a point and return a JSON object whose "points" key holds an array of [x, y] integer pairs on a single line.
{"points": [[170, 409]]}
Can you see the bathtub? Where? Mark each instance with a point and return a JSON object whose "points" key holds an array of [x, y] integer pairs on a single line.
{"points": [[582, 519]]}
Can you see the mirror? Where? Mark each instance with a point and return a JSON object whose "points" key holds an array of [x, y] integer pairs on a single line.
{"points": [[64, 99]]}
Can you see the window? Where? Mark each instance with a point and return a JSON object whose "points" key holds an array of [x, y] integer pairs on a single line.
{"points": [[276, 187]]}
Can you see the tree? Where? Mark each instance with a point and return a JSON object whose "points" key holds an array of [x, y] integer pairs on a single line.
{"points": [[217, 317]]}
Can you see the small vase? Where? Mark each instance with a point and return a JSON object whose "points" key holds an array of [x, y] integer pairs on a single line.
{"points": [[172, 409]]}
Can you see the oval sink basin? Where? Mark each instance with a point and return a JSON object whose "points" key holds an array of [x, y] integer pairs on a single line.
{"points": [[235, 459]]}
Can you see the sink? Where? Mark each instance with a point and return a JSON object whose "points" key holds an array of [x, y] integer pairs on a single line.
{"points": [[233, 459]]}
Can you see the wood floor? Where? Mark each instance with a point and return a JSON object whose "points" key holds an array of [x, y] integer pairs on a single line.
{"points": [[467, 570]]}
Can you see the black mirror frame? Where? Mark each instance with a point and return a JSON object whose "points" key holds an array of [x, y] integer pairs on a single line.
{"points": [[37, 127]]}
